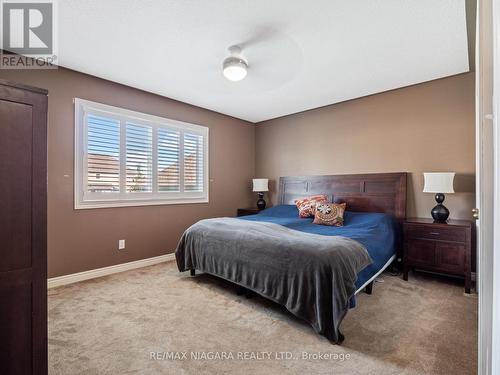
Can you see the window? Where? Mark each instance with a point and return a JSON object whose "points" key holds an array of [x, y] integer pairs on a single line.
{"points": [[127, 158]]}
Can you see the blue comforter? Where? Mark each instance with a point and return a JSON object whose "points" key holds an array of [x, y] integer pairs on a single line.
{"points": [[376, 231]]}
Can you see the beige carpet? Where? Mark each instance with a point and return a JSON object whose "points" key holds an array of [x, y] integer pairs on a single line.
{"points": [[112, 324]]}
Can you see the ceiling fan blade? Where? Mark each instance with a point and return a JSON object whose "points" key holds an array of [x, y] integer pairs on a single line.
{"points": [[262, 35]]}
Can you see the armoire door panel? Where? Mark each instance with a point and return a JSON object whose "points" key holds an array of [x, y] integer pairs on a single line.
{"points": [[16, 140]]}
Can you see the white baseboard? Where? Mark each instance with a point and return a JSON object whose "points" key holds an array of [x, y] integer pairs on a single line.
{"points": [[92, 274]]}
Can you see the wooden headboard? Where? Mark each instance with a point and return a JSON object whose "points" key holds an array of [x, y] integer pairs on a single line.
{"points": [[375, 192]]}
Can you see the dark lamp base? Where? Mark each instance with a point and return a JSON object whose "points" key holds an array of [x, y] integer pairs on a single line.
{"points": [[261, 203], [440, 213]]}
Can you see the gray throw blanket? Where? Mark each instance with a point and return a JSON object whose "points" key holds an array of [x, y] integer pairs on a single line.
{"points": [[311, 275]]}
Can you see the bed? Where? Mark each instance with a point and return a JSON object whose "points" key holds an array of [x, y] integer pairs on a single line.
{"points": [[313, 270], [376, 231]]}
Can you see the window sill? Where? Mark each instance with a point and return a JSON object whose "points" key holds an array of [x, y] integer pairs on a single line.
{"points": [[135, 203]]}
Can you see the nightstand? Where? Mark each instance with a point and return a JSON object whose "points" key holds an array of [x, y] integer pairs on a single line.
{"points": [[438, 247], [247, 211]]}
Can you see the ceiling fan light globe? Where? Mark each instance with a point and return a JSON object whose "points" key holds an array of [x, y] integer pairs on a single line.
{"points": [[234, 69]]}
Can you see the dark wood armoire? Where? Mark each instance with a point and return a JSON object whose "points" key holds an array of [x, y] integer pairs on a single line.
{"points": [[23, 229]]}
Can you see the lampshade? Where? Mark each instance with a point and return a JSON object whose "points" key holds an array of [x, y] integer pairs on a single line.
{"points": [[441, 182], [260, 184]]}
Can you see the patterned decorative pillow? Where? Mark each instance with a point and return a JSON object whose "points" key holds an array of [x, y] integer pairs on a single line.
{"points": [[330, 214], [307, 206]]}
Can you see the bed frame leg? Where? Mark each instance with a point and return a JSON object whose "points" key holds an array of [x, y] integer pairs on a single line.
{"points": [[192, 272], [369, 288]]}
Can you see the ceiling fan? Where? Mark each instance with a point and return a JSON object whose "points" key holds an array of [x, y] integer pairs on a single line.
{"points": [[269, 57]]}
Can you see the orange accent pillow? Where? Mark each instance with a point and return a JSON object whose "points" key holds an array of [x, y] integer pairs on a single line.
{"points": [[330, 214], [307, 206]]}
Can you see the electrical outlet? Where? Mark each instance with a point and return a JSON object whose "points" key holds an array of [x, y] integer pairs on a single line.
{"points": [[121, 244]]}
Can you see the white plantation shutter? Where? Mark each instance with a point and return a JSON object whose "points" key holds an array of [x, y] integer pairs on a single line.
{"points": [[169, 175], [193, 162], [103, 154], [139, 150], [126, 158]]}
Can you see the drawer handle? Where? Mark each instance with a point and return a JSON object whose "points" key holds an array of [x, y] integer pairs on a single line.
{"points": [[434, 233]]}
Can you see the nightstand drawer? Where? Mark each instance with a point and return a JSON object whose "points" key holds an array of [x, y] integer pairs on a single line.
{"points": [[421, 252], [450, 257], [437, 233]]}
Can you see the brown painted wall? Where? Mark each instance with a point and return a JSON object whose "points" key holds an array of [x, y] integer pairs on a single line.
{"points": [[87, 239], [427, 127]]}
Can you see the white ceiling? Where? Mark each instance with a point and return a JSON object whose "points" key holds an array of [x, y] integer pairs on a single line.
{"points": [[301, 54]]}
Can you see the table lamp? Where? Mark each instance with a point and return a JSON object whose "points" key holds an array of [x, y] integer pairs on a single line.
{"points": [[439, 183], [260, 185]]}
